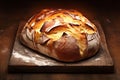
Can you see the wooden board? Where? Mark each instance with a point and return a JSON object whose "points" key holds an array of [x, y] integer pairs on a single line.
{"points": [[24, 59]]}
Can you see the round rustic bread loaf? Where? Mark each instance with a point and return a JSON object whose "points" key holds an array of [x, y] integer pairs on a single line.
{"points": [[65, 35]]}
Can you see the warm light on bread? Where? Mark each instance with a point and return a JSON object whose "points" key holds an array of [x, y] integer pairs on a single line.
{"points": [[65, 35]]}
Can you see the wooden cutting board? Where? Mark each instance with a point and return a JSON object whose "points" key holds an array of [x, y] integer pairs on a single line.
{"points": [[24, 59]]}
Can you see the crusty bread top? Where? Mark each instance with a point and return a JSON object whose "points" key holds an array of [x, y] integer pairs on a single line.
{"points": [[50, 25]]}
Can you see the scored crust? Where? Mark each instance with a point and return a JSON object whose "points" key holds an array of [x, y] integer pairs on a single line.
{"points": [[65, 35]]}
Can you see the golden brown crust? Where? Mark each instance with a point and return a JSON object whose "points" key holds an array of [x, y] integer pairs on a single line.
{"points": [[65, 35]]}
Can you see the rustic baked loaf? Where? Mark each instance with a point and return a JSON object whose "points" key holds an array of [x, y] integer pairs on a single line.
{"points": [[65, 35]]}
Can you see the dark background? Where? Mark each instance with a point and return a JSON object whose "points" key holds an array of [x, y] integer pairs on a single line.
{"points": [[26, 8]]}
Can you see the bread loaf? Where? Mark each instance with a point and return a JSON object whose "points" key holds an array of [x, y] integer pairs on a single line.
{"points": [[65, 35]]}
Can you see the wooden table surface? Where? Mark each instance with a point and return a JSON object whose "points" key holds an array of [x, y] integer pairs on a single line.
{"points": [[13, 12]]}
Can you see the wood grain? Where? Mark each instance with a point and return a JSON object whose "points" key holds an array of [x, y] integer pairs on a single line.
{"points": [[24, 59]]}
